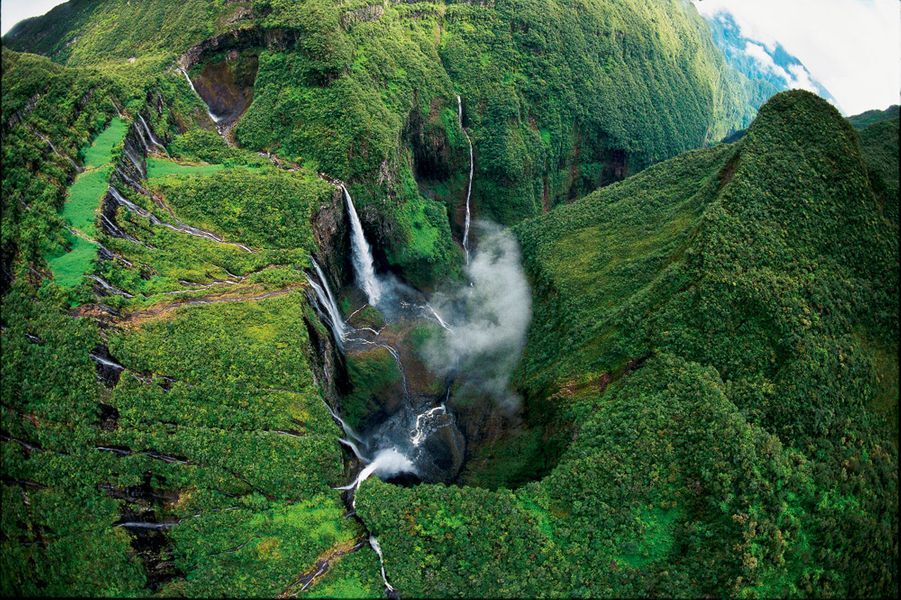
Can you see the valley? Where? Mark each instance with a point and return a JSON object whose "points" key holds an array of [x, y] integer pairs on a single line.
{"points": [[341, 299]]}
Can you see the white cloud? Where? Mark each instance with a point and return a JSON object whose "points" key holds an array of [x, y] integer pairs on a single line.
{"points": [[13, 11], [765, 61], [801, 78], [852, 46]]}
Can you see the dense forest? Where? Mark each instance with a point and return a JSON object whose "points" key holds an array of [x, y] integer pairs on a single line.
{"points": [[594, 320]]}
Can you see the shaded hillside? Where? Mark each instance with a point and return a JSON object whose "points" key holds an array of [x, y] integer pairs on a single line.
{"points": [[871, 117], [719, 329]]}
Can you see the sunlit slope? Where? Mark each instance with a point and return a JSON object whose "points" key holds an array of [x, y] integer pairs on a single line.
{"points": [[724, 321]]}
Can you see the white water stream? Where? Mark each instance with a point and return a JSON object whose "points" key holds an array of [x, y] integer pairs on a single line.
{"points": [[362, 254], [213, 117], [469, 181]]}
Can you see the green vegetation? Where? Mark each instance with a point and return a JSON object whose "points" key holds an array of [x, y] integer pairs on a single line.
{"points": [[50, 114], [160, 167], [268, 208], [871, 117], [879, 147], [82, 202], [376, 383], [559, 98], [710, 381], [717, 329], [101, 151]]}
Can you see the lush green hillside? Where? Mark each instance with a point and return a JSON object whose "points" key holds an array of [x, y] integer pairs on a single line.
{"points": [[559, 98], [710, 380], [721, 328], [162, 429], [879, 146]]}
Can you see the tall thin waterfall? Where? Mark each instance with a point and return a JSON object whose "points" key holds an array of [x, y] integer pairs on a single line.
{"points": [[327, 300], [362, 254], [214, 118], [469, 182]]}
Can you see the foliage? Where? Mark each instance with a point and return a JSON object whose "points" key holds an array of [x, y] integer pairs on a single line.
{"points": [[879, 147], [718, 329]]}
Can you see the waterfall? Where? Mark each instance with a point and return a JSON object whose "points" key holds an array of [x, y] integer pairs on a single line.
{"points": [[180, 227], [354, 448], [469, 181], [419, 432], [143, 139], [214, 118], [387, 463], [153, 139], [348, 431], [327, 300], [362, 254], [106, 362], [374, 542], [134, 160]]}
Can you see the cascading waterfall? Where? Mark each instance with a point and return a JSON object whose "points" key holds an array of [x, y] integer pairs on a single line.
{"points": [[180, 227], [421, 432], [374, 542], [387, 463], [362, 254], [150, 135], [469, 181], [418, 439], [327, 301], [134, 161]]}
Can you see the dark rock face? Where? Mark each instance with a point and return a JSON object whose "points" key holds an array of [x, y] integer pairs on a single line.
{"points": [[432, 154], [227, 85], [330, 232], [238, 39]]}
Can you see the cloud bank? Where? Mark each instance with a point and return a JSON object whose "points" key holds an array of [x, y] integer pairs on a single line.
{"points": [[852, 46], [488, 319]]}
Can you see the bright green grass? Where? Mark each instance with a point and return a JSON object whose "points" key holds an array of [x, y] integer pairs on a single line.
{"points": [[69, 268], [82, 200], [161, 167], [101, 151], [84, 197]]}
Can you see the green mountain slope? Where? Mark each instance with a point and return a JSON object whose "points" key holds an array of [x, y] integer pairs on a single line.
{"points": [[718, 328], [879, 146], [710, 379], [558, 98]]}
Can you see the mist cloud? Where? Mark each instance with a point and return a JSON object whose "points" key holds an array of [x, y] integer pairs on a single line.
{"points": [[488, 319]]}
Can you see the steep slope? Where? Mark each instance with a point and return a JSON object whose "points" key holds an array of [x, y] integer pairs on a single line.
{"points": [[717, 328], [558, 98], [878, 130], [163, 418]]}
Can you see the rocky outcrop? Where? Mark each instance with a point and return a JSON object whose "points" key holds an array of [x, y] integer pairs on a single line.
{"points": [[227, 85], [238, 39], [330, 233]]}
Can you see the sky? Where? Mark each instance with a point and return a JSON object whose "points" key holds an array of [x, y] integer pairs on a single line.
{"points": [[852, 46], [13, 11]]}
